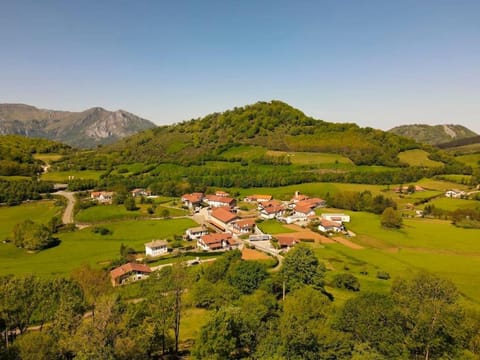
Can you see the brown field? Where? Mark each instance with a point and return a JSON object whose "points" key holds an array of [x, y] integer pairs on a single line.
{"points": [[251, 254]]}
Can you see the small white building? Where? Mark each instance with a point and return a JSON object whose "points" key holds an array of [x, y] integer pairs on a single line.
{"points": [[455, 194], [196, 233], [330, 226], [336, 217], [156, 248]]}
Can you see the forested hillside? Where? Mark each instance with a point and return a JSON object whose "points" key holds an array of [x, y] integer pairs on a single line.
{"points": [[273, 125]]}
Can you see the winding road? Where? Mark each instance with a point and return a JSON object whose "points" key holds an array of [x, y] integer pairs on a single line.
{"points": [[67, 217]]}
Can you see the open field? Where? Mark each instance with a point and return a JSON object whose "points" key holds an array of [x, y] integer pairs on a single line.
{"points": [[47, 158], [312, 158], [39, 211], [273, 227], [244, 152], [440, 185], [83, 246], [453, 204], [472, 160], [101, 213], [63, 176], [418, 157]]}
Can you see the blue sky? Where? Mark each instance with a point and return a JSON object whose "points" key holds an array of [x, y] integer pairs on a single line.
{"points": [[377, 63]]}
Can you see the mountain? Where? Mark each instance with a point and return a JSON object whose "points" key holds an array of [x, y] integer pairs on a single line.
{"points": [[84, 129], [270, 125], [433, 135]]}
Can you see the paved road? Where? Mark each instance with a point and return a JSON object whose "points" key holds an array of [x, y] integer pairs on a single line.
{"points": [[67, 217]]}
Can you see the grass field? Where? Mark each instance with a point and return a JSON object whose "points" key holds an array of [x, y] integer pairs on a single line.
{"points": [[84, 246], [472, 160], [433, 245], [47, 158], [440, 185], [101, 213], [453, 204], [273, 227], [311, 158], [244, 152], [460, 179], [15, 178], [63, 176], [418, 157], [39, 211]]}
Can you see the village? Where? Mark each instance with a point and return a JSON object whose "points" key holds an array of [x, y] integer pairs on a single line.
{"points": [[224, 226]]}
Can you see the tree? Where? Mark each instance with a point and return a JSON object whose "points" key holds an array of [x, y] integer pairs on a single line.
{"points": [[391, 218], [431, 314], [374, 319], [130, 204], [36, 345], [346, 281], [246, 276], [94, 283], [165, 213], [301, 267], [32, 236]]}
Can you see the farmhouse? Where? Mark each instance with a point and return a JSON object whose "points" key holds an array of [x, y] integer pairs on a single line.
{"points": [[128, 273], [221, 217], [218, 201], [156, 248], [330, 226], [104, 197], [312, 203], [141, 192], [244, 226], [455, 193], [222, 193], [193, 200], [271, 212], [217, 241], [336, 217], [286, 242], [298, 197], [196, 232], [258, 198]]}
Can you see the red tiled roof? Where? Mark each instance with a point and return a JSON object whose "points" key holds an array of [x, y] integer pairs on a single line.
{"points": [[223, 214], [126, 268], [215, 238], [259, 197], [193, 198], [303, 209], [273, 209], [286, 240], [220, 199], [327, 223], [245, 223], [221, 193], [271, 203]]}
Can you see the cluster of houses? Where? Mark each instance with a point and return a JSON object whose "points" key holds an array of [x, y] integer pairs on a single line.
{"points": [[106, 197]]}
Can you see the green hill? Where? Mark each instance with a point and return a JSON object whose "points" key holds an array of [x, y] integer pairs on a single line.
{"points": [[433, 135], [269, 125]]}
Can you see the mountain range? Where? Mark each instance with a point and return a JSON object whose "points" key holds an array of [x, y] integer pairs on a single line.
{"points": [[86, 129]]}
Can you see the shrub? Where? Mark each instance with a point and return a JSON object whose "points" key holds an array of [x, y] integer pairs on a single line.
{"points": [[346, 281], [101, 230], [383, 275]]}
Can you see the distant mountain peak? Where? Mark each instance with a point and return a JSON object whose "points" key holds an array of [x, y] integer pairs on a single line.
{"points": [[88, 128], [433, 134]]}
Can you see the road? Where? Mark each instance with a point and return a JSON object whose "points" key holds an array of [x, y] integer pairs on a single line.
{"points": [[67, 217]]}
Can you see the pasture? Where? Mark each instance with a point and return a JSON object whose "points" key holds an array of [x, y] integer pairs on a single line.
{"points": [[273, 227], [472, 160], [84, 246], [64, 176], [311, 158], [418, 157], [449, 204]]}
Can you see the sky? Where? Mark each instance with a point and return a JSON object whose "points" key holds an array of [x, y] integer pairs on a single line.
{"points": [[378, 63]]}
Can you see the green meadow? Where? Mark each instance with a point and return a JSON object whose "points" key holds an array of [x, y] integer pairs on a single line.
{"points": [[273, 227], [84, 246], [39, 211], [418, 157], [472, 160], [47, 158], [64, 176], [453, 204]]}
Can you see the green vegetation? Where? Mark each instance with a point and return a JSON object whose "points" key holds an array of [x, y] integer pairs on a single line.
{"points": [[65, 176], [472, 160], [433, 135], [418, 157], [273, 227]]}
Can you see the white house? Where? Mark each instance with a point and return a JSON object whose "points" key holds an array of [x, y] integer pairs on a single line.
{"points": [[217, 241], [244, 226], [196, 233], [219, 201], [336, 217], [102, 196], [128, 273], [455, 194], [156, 248], [141, 192], [327, 226], [193, 200]]}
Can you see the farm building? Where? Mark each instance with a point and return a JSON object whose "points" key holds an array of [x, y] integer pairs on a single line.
{"points": [[156, 248], [128, 273]]}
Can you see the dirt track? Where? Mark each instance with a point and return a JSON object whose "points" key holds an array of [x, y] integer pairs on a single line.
{"points": [[67, 217]]}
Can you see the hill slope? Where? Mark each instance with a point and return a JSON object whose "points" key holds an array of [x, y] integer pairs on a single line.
{"points": [[273, 125], [433, 135], [81, 129]]}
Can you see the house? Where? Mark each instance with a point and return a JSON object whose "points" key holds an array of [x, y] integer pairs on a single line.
{"points": [[219, 201], [286, 241], [104, 197], [217, 241], [312, 203], [336, 217], [196, 232], [128, 273], [244, 226], [455, 194], [258, 198], [298, 197], [221, 217], [193, 200], [141, 192], [330, 226], [303, 211], [156, 248], [272, 212]]}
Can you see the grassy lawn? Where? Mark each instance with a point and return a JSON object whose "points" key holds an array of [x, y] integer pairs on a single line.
{"points": [[472, 160], [440, 185], [84, 246], [418, 157], [461, 179], [273, 227], [192, 321], [39, 211], [312, 158], [15, 178], [100, 213], [63, 176], [47, 158], [244, 152]]}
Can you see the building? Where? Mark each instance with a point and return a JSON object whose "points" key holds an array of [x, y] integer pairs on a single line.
{"points": [[141, 192], [196, 232], [244, 226], [258, 198], [222, 193], [128, 273], [104, 197], [156, 248], [193, 200], [336, 217], [217, 241], [221, 217], [330, 226], [272, 212], [455, 194], [219, 201], [286, 242]]}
